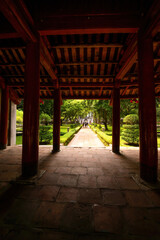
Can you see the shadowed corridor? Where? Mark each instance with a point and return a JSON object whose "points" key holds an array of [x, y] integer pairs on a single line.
{"points": [[84, 193]]}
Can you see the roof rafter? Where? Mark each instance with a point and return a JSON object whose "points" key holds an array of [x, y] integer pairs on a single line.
{"points": [[23, 24]]}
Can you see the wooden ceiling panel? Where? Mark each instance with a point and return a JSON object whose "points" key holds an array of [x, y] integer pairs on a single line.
{"points": [[80, 48]]}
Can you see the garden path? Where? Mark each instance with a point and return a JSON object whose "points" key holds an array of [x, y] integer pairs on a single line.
{"points": [[86, 138]]}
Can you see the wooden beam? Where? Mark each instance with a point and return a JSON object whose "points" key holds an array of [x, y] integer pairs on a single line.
{"points": [[4, 117], [96, 45], [45, 52], [49, 91], [2, 82], [69, 63], [31, 111], [151, 22], [82, 84], [11, 64], [46, 64], [71, 91], [10, 35], [116, 120], [100, 91], [85, 63], [102, 97], [85, 76], [58, 25], [128, 59], [124, 92], [57, 120], [62, 64], [147, 111], [23, 23], [14, 96], [15, 14]]}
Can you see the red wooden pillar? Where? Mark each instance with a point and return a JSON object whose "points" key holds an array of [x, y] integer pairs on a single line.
{"points": [[4, 117], [57, 120], [116, 120], [147, 111], [31, 111]]}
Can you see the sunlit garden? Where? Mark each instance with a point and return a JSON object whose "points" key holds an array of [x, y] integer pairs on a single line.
{"points": [[75, 112]]}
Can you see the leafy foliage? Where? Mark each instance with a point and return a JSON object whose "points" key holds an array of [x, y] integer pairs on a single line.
{"points": [[45, 118], [103, 136], [131, 119], [19, 116], [47, 108], [45, 135], [130, 131], [126, 108], [72, 109]]}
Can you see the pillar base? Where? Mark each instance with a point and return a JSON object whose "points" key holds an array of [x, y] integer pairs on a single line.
{"points": [[29, 169], [3, 146], [116, 150], [149, 174], [55, 150]]}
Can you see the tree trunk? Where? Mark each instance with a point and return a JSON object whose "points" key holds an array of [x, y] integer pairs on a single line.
{"points": [[105, 120]]}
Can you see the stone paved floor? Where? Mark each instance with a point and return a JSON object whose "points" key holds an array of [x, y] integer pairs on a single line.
{"points": [[86, 138], [85, 193]]}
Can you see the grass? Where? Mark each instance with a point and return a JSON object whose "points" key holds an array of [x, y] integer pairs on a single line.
{"points": [[65, 136], [18, 140]]}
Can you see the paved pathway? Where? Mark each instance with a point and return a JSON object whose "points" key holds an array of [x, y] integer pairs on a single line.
{"points": [[84, 194], [86, 138]]}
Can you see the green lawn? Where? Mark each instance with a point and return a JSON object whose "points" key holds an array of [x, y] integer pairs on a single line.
{"points": [[18, 140], [63, 132]]}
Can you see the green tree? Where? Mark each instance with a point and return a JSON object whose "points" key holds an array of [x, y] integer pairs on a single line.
{"points": [[127, 107], [72, 109], [45, 118], [102, 112], [47, 107]]}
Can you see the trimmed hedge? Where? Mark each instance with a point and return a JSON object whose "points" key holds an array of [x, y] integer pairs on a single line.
{"points": [[130, 131], [102, 136], [66, 138], [45, 134]]}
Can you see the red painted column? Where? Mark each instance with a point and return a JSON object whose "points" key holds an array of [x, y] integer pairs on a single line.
{"points": [[4, 117], [116, 120], [147, 111], [31, 111], [57, 120]]}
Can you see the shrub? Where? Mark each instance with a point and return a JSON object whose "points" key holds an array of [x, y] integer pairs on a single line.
{"points": [[19, 119], [74, 125], [19, 116], [66, 138], [131, 119], [45, 135], [102, 136], [130, 131], [45, 118]]}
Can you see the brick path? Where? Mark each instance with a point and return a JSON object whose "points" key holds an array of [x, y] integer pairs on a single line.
{"points": [[86, 138], [84, 194]]}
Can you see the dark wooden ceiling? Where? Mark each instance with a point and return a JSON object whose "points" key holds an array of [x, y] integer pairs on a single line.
{"points": [[85, 47]]}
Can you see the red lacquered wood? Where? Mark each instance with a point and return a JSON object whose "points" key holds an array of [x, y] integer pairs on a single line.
{"points": [[57, 120], [31, 111], [116, 121], [147, 111], [4, 118]]}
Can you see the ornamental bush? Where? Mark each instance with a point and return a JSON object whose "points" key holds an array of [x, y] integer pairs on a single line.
{"points": [[45, 118], [19, 116], [130, 131], [45, 135]]}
